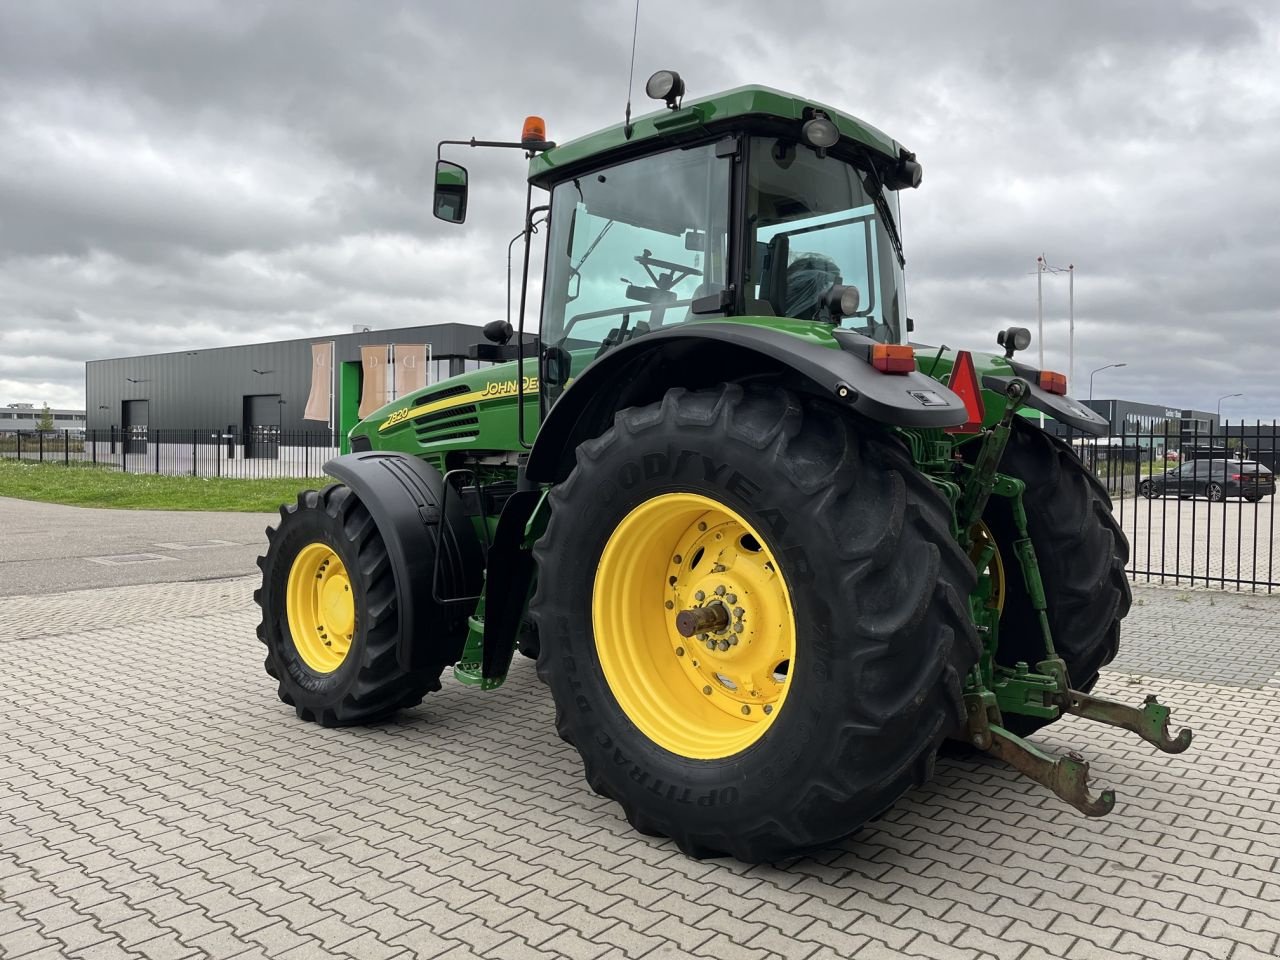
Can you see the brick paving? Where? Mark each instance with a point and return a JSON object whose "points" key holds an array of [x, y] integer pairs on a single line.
{"points": [[156, 800]]}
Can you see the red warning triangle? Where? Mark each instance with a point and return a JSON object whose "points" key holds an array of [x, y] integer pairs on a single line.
{"points": [[964, 384]]}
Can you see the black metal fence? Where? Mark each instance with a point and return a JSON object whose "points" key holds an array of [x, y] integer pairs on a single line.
{"points": [[262, 453], [1196, 501]]}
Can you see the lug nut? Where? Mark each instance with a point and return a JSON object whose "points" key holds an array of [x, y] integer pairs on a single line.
{"points": [[720, 590], [731, 598], [707, 691], [679, 651], [768, 708], [737, 611], [746, 710], [723, 645], [711, 644], [677, 559], [738, 628], [670, 605], [733, 641], [699, 595]]}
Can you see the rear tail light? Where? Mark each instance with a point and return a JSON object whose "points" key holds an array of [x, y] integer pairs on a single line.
{"points": [[1236, 477], [1051, 382], [893, 357]]}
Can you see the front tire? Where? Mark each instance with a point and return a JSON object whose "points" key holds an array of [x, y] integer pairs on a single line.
{"points": [[1147, 489], [837, 670], [330, 618], [1214, 492]]}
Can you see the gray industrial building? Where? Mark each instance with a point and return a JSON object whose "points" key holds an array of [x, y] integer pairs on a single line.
{"points": [[261, 392], [1129, 416], [25, 417]]}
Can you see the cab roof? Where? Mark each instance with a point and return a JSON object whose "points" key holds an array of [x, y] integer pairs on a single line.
{"points": [[749, 101]]}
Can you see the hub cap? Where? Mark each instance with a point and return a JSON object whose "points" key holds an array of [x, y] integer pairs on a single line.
{"points": [[683, 562], [321, 607]]}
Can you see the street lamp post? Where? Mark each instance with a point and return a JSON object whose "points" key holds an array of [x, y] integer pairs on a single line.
{"points": [[1099, 370], [1227, 396]]}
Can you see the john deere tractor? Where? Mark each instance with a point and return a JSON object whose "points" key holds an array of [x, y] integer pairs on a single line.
{"points": [[768, 553]]}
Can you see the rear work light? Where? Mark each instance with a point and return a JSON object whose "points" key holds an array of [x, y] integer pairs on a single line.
{"points": [[1051, 382], [893, 358]]}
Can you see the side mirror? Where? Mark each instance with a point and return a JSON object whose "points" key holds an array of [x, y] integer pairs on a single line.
{"points": [[451, 192]]}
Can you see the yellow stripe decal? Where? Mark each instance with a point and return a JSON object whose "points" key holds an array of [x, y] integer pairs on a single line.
{"points": [[408, 413]]}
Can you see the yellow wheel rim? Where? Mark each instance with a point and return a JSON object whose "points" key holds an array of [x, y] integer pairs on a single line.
{"points": [[321, 607], [715, 693], [981, 535]]}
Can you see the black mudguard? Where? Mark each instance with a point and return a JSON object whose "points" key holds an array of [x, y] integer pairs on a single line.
{"points": [[1064, 409], [507, 582], [403, 494], [703, 354]]}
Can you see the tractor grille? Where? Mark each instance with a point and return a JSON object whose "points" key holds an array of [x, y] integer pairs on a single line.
{"points": [[446, 424], [444, 394]]}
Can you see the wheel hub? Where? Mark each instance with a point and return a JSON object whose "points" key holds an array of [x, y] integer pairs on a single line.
{"points": [[320, 607], [693, 625]]}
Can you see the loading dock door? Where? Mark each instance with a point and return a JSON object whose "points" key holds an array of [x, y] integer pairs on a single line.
{"points": [[133, 420], [262, 426]]}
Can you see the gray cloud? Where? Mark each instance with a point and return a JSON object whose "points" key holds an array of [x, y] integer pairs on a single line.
{"points": [[178, 176]]}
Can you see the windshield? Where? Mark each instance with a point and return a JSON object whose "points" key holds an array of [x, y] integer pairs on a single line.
{"points": [[631, 247], [812, 224]]}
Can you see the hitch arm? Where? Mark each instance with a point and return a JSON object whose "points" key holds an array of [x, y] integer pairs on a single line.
{"points": [[1067, 776], [1150, 721]]}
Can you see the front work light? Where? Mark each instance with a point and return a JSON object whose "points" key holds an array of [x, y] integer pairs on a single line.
{"points": [[665, 85], [820, 132]]}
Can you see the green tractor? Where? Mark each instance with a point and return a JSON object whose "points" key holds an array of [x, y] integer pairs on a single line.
{"points": [[768, 554]]}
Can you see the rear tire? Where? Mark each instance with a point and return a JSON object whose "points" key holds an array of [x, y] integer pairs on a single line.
{"points": [[1214, 492], [1147, 489], [368, 682], [877, 594], [1081, 552]]}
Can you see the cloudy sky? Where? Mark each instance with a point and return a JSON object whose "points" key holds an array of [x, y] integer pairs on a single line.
{"points": [[207, 172]]}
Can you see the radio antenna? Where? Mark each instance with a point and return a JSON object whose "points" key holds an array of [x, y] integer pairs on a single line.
{"points": [[635, 27]]}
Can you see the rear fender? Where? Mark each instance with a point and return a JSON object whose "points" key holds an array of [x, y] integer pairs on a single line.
{"points": [[1064, 409], [703, 354], [403, 495]]}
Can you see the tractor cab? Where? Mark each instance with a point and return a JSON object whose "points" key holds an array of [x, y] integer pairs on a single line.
{"points": [[752, 203], [760, 208]]}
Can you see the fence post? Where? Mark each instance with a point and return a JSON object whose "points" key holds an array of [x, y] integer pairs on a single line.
{"points": [[193, 454], [18, 435], [66, 447], [94, 435], [40, 434], [156, 445]]}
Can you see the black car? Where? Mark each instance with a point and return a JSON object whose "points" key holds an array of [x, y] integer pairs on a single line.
{"points": [[1216, 479]]}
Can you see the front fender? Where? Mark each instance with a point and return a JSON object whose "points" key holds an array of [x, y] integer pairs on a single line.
{"points": [[404, 496], [703, 354]]}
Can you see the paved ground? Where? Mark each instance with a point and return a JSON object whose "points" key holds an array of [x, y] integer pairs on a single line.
{"points": [[50, 548], [156, 800]]}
